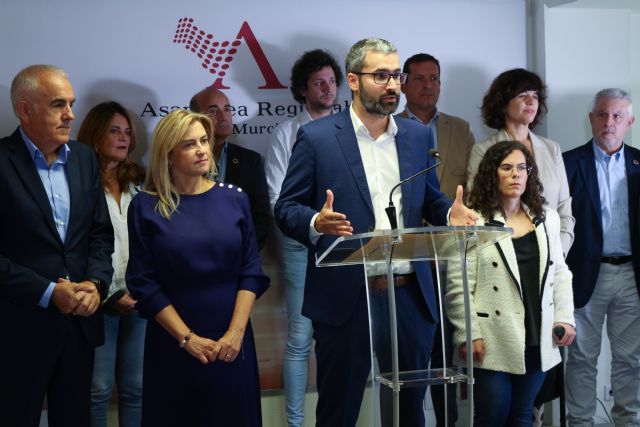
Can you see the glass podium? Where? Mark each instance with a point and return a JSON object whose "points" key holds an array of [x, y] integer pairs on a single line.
{"points": [[381, 253]]}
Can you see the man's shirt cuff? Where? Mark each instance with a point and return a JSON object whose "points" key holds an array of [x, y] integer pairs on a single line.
{"points": [[314, 235], [46, 297]]}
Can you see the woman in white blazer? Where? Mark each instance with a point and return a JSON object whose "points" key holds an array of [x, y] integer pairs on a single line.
{"points": [[513, 105], [520, 290]]}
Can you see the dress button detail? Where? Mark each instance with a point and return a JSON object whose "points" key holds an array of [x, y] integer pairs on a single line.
{"points": [[497, 312], [495, 264], [495, 288]]}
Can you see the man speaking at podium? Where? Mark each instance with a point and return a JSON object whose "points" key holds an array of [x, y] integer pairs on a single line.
{"points": [[341, 172]]}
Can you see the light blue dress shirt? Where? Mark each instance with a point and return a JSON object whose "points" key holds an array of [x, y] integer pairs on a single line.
{"points": [[614, 201], [433, 124], [56, 184], [222, 164]]}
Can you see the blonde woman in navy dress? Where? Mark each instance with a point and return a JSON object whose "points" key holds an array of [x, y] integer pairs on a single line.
{"points": [[195, 271]]}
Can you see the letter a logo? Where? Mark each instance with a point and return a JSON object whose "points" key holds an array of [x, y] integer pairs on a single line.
{"points": [[216, 56]]}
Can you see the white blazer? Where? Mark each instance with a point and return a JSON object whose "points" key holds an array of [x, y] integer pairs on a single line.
{"points": [[497, 308], [551, 171]]}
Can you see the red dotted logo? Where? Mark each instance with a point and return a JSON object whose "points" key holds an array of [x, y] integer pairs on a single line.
{"points": [[215, 55]]}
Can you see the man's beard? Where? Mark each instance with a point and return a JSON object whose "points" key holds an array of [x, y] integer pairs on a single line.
{"points": [[376, 106], [320, 105]]}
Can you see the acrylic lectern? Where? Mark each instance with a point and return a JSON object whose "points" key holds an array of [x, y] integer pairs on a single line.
{"points": [[381, 253]]}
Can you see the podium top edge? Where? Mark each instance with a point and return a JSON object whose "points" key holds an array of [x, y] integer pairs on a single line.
{"points": [[424, 230]]}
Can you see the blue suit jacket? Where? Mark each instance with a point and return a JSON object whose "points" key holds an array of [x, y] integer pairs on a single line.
{"points": [[31, 252], [326, 156], [585, 254]]}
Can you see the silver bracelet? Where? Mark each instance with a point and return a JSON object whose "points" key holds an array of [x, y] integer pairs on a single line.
{"points": [[185, 340]]}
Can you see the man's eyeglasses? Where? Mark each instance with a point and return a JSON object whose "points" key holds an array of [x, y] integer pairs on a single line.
{"points": [[213, 110], [383, 77], [507, 169]]}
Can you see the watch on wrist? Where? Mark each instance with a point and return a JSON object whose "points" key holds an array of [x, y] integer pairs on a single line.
{"points": [[100, 285]]}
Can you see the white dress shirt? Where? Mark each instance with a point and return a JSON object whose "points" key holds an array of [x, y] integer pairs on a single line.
{"points": [[279, 153], [382, 169], [120, 256]]}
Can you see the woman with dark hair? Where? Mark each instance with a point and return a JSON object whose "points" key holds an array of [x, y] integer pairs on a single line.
{"points": [[513, 105], [107, 129], [520, 290]]}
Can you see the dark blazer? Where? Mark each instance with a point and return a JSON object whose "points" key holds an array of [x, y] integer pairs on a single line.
{"points": [[31, 252], [326, 156], [245, 168], [584, 257]]}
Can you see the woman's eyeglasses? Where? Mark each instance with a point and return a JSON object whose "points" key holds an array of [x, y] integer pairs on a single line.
{"points": [[506, 169]]}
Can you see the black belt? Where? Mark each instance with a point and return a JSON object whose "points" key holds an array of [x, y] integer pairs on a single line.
{"points": [[379, 283], [617, 260]]}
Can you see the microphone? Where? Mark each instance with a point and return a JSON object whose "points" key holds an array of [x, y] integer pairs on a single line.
{"points": [[559, 331], [391, 210]]}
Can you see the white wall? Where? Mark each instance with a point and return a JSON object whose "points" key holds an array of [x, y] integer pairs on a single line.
{"points": [[634, 54], [585, 50], [124, 50]]}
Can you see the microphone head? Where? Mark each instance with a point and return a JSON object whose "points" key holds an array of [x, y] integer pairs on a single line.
{"points": [[433, 152], [559, 331]]}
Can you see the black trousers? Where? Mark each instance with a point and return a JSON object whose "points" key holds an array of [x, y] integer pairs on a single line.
{"points": [[56, 365], [344, 360]]}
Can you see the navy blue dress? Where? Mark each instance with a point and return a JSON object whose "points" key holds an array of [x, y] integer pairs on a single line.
{"points": [[197, 261]]}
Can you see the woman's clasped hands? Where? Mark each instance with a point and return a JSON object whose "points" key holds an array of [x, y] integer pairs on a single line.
{"points": [[207, 350]]}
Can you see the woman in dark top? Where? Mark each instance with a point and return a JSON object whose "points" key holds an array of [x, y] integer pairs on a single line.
{"points": [[195, 270], [520, 290]]}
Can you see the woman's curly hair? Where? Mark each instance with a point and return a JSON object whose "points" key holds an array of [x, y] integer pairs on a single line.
{"points": [[504, 88], [485, 196]]}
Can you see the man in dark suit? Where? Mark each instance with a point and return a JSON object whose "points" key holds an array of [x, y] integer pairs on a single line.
{"points": [[55, 257], [236, 165], [604, 179], [359, 155], [453, 140]]}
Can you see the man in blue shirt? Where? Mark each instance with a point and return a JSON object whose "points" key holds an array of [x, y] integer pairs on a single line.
{"points": [[604, 179], [55, 256]]}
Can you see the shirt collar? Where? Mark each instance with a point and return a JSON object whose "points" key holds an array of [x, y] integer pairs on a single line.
{"points": [[35, 153], [359, 127], [412, 116], [305, 117], [601, 155]]}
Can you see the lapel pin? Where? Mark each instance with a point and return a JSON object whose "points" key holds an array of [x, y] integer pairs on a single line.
{"points": [[635, 162], [235, 161]]}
